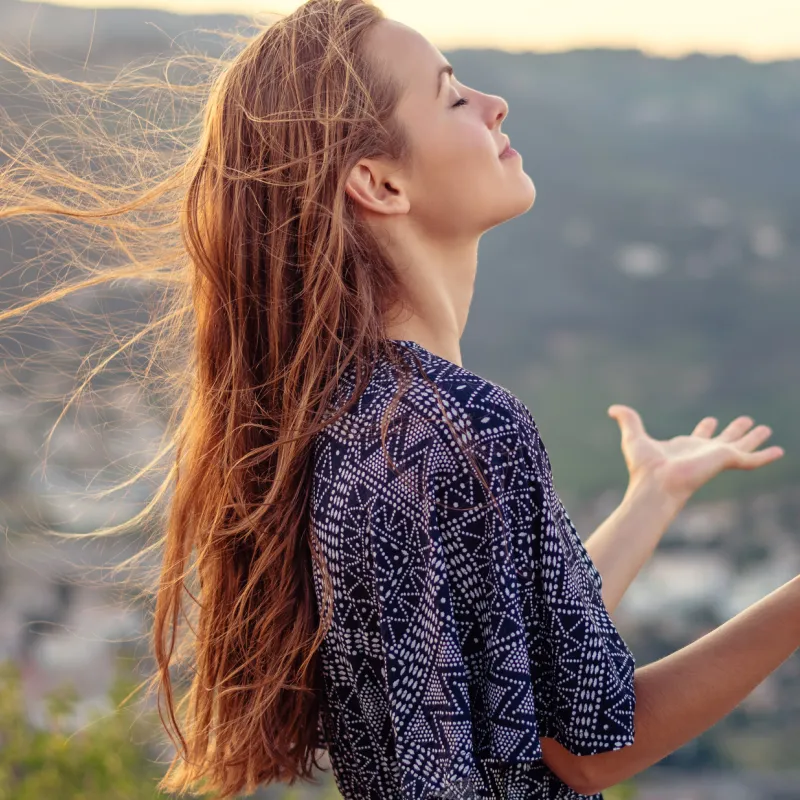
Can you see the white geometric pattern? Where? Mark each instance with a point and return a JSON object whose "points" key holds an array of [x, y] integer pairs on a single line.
{"points": [[460, 635]]}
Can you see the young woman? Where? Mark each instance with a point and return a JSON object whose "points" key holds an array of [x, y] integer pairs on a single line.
{"points": [[383, 567]]}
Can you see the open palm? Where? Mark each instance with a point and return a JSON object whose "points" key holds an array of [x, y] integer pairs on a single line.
{"points": [[681, 465]]}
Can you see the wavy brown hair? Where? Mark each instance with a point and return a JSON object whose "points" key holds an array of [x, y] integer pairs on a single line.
{"points": [[269, 286]]}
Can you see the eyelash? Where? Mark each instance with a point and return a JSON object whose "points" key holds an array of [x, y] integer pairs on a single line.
{"points": [[462, 101]]}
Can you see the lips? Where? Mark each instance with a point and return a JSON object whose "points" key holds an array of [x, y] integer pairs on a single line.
{"points": [[506, 148]]}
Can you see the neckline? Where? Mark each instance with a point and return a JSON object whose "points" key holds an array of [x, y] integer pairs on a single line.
{"points": [[429, 353]]}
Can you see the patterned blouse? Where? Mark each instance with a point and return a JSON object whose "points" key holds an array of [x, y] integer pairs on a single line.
{"points": [[462, 631]]}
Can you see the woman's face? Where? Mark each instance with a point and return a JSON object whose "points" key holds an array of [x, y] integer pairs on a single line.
{"points": [[456, 185]]}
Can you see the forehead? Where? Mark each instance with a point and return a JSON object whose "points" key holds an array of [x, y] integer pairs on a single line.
{"points": [[408, 55]]}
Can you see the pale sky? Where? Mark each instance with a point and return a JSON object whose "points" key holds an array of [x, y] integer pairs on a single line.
{"points": [[756, 29]]}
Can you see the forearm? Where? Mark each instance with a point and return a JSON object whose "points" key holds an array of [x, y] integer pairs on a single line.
{"points": [[623, 543], [684, 694]]}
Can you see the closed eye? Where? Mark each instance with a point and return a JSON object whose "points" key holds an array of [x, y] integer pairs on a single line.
{"points": [[462, 101]]}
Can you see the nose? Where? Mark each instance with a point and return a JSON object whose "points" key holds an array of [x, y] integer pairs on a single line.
{"points": [[503, 112]]}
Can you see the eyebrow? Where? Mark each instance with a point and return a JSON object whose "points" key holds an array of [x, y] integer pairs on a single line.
{"points": [[447, 68]]}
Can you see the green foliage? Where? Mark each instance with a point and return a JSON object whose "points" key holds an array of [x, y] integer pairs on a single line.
{"points": [[622, 791], [99, 761]]}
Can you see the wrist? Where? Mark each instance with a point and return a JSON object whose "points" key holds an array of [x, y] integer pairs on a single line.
{"points": [[646, 490]]}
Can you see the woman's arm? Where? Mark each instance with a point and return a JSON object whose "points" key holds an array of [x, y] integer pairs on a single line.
{"points": [[623, 543], [684, 694]]}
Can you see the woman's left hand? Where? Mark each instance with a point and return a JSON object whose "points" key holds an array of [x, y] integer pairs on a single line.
{"points": [[681, 465]]}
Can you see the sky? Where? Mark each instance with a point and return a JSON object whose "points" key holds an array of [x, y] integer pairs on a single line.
{"points": [[756, 29]]}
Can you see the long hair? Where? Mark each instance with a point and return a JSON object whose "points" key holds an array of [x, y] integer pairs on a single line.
{"points": [[269, 288]]}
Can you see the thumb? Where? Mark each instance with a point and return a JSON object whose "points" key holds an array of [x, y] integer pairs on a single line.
{"points": [[628, 419]]}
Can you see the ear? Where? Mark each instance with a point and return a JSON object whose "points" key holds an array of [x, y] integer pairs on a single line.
{"points": [[373, 187]]}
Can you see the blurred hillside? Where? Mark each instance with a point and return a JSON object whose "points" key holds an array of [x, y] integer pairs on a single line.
{"points": [[659, 264], [659, 268]]}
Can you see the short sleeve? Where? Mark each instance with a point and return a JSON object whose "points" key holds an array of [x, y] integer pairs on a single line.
{"points": [[492, 627], [586, 670]]}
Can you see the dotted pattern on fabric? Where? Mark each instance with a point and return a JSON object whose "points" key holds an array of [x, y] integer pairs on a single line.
{"points": [[462, 632]]}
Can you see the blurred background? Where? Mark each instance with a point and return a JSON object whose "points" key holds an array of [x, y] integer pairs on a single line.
{"points": [[658, 268]]}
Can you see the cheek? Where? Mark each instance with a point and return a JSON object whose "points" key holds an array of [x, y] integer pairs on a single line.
{"points": [[456, 175], [463, 158], [470, 143]]}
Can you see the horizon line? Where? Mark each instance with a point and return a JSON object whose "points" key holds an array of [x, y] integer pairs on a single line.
{"points": [[675, 52]]}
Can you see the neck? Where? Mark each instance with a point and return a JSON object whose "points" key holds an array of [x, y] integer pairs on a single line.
{"points": [[438, 282]]}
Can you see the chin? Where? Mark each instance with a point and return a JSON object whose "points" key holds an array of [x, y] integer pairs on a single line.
{"points": [[532, 195], [514, 204], [526, 198]]}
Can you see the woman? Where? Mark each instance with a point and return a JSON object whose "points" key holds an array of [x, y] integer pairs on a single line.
{"points": [[383, 567], [471, 653]]}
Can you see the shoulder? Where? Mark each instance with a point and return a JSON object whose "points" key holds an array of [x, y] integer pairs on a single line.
{"points": [[480, 433], [466, 411], [440, 408], [483, 406], [499, 422]]}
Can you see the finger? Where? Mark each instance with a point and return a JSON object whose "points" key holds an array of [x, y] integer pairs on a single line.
{"points": [[736, 429], [754, 439], [705, 427], [758, 459], [629, 420]]}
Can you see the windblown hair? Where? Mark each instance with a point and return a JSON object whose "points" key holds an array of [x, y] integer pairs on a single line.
{"points": [[269, 287]]}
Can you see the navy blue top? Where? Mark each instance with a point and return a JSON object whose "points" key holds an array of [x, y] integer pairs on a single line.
{"points": [[462, 632]]}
